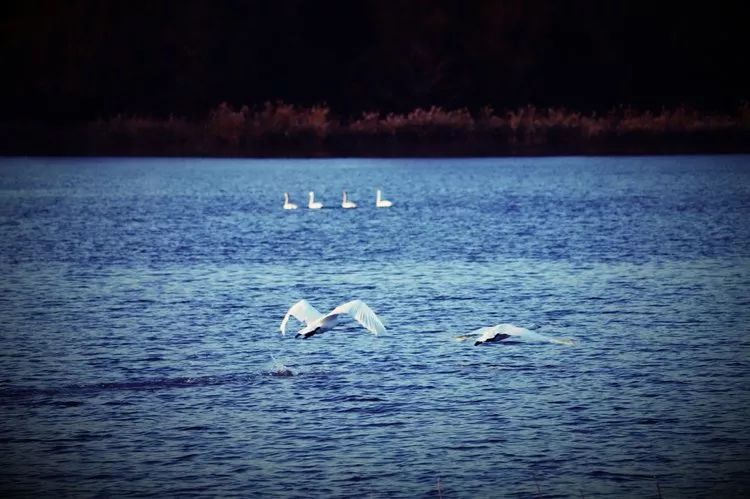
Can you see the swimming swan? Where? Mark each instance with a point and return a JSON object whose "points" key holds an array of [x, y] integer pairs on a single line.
{"points": [[381, 203], [312, 204], [503, 331], [346, 203], [288, 205], [315, 322]]}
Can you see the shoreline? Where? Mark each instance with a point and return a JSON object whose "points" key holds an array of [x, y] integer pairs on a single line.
{"points": [[75, 143], [426, 151]]}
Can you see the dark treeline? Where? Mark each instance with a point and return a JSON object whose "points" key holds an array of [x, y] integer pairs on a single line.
{"points": [[76, 61]]}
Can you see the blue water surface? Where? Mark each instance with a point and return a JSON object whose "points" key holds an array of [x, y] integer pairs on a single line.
{"points": [[140, 302]]}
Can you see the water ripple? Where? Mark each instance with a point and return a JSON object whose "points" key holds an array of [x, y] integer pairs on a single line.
{"points": [[141, 301]]}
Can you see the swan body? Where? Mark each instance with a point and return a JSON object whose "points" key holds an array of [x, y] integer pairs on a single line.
{"points": [[380, 202], [501, 332], [315, 322], [287, 204], [345, 203], [312, 204]]}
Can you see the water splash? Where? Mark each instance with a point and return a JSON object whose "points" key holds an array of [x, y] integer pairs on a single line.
{"points": [[279, 368]]}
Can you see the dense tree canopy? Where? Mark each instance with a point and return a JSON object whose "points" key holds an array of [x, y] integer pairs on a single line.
{"points": [[81, 59]]}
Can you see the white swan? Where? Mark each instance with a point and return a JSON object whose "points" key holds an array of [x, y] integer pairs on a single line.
{"points": [[503, 331], [312, 204], [381, 203], [315, 322], [287, 204], [346, 203]]}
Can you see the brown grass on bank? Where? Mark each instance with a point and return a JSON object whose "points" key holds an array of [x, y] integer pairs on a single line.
{"points": [[245, 130]]}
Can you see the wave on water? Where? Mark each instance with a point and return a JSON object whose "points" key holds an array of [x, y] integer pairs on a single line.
{"points": [[141, 301], [155, 384]]}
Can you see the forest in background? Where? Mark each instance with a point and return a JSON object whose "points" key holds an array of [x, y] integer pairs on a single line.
{"points": [[372, 77], [82, 60]]}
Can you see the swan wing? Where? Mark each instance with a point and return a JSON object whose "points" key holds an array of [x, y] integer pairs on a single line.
{"points": [[512, 330], [362, 314], [527, 334], [484, 333], [534, 336], [489, 332], [303, 312]]}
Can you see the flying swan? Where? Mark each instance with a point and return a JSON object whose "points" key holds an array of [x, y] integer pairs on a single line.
{"points": [[503, 331], [288, 205], [315, 322]]}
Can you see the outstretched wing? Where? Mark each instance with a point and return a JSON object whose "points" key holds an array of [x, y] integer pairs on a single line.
{"points": [[534, 336], [511, 330], [303, 312], [520, 332], [362, 314], [484, 333]]}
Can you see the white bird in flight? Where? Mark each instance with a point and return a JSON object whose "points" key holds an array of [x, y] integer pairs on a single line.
{"points": [[288, 205], [347, 203], [315, 322], [312, 204], [380, 202], [503, 331]]}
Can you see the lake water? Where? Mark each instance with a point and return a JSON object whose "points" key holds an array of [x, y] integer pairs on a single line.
{"points": [[140, 302]]}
